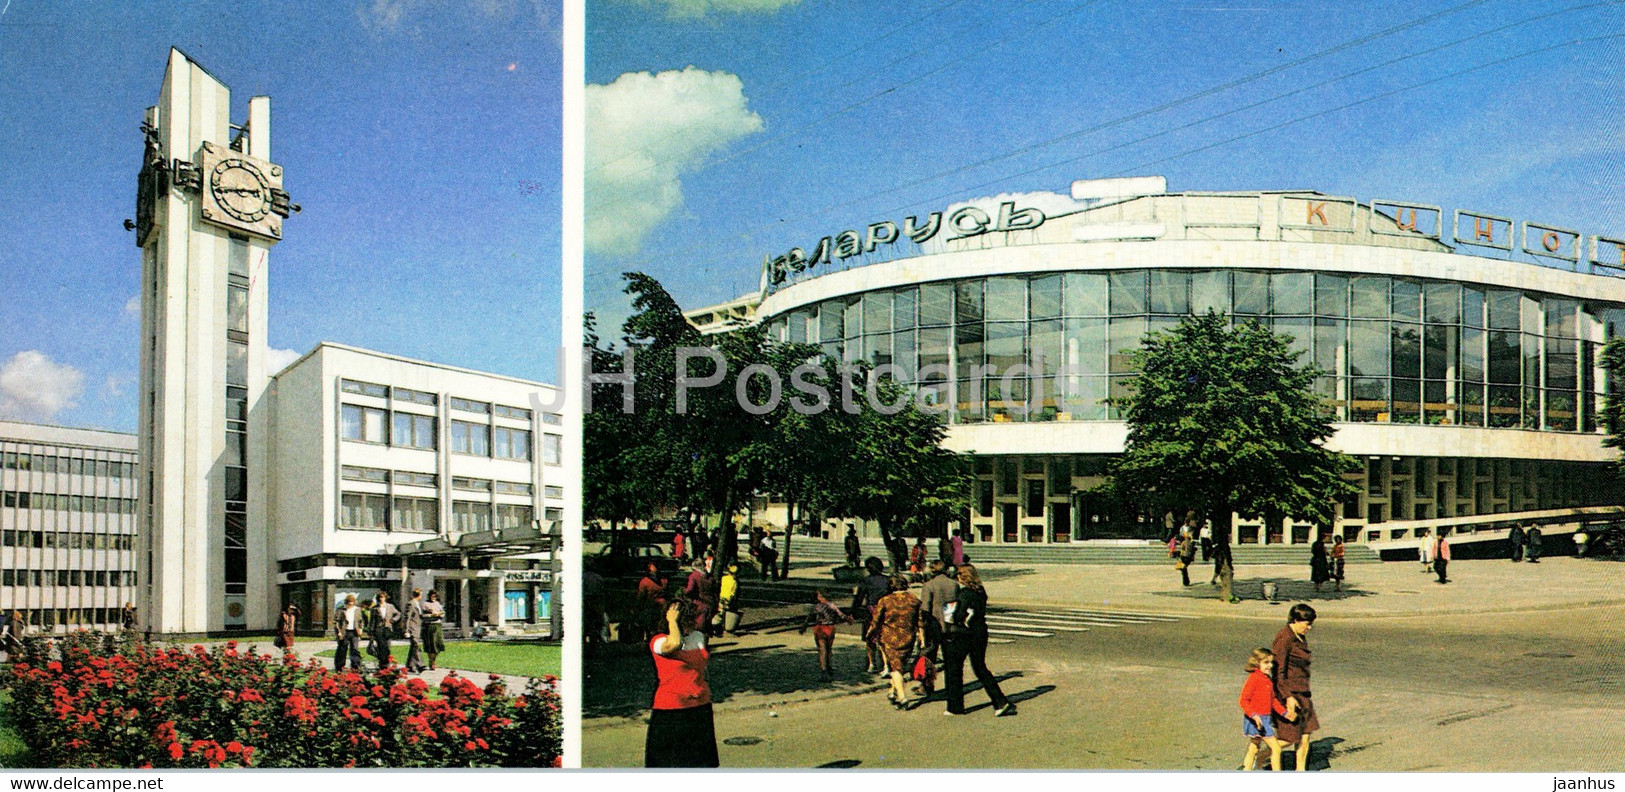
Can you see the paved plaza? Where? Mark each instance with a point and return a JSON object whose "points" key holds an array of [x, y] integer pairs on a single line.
{"points": [[1508, 667]]}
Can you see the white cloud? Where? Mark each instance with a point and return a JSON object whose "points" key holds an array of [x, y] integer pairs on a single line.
{"points": [[113, 387], [427, 17], [32, 388], [643, 132], [132, 306], [278, 359], [690, 9]]}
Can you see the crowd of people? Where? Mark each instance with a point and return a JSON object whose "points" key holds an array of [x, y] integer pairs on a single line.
{"points": [[380, 623]]}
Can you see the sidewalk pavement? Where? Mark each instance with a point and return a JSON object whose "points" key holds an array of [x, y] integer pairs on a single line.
{"points": [[1388, 589]]}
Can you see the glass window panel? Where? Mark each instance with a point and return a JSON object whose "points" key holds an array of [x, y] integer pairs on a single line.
{"points": [[237, 308], [1300, 329], [934, 349], [1331, 295], [374, 426], [1407, 350], [1252, 292], [1085, 346], [1127, 292], [236, 448], [1210, 291], [1006, 299], [1504, 406], [852, 317], [796, 327], [1472, 354], [1170, 291], [1006, 346], [1531, 360], [1045, 294], [903, 353], [1438, 350], [1368, 297], [1503, 309], [1504, 357], [236, 484], [1443, 302], [968, 302], [1560, 414], [1125, 335], [831, 316], [876, 313], [877, 349], [1472, 307], [968, 349], [1561, 317], [969, 407], [936, 304], [1292, 293], [1407, 301], [552, 448], [1407, 405], [1085, 294], [1368, 399], [350, 422], [1561, 372], [1048, 350], [1529, 317], [903, 305], [1368, 349], [236, 363], [1330, 335]]}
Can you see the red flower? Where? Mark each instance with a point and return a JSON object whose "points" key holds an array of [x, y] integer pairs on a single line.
{"points": [[176, 751]]}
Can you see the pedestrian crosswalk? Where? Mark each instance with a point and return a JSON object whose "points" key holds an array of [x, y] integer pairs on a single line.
{"points": [[1008, 625]]}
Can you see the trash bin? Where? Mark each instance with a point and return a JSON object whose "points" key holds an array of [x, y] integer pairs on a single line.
{"points": [[730, 621], [1269, 590]]}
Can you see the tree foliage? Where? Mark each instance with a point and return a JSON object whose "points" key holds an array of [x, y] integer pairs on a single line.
{"points": [[1613, 407], [1221, 420]]}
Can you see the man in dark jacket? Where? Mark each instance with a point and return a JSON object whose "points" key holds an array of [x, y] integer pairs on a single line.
{"points": [[1535, 543], [852, 548], [934, 596], [1515, 538]]}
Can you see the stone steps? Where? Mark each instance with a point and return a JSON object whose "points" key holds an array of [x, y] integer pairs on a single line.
{"points": [[804, 550]]}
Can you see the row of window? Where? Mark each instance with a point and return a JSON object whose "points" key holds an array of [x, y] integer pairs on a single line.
{"points": [[430, 399], [51, 501], [376, 512], [66, 577], [410, 430], [66, 540], [77, 466]]}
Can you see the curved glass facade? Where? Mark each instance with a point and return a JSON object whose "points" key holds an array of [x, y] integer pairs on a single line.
{"points": [[1054, 346]]}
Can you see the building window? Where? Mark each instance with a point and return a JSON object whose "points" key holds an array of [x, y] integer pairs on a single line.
{"points": [[353, 473], [477, 485], [470, 517], [413, 396], [552, 449], [504, 411], [364, 511], [414, 431], [552, 419], [420, 515], [512, 443], [416, 479], [470, 438], [552, 492], [512, 515], [363, 388], [513, 488], [366, 424], [469, 405], [553, 514]]}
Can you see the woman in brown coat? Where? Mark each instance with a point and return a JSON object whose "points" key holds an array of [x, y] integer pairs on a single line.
{"points": [[895, 622], [1291, 679]]}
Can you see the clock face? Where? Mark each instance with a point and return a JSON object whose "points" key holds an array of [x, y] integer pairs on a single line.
{"points": [[241, 190]]}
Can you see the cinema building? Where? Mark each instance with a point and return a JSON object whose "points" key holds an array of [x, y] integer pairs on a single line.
{"points": [[1460, 349]]}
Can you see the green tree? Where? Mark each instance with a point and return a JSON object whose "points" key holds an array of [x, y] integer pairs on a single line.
{"points": [[1613, 405], [1221, 420]]}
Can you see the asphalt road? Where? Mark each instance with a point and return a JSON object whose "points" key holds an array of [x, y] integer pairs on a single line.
{"points": [[1481, 692]]}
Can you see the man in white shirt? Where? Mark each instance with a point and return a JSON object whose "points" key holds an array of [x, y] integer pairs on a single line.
{"points": [[347, 629]]}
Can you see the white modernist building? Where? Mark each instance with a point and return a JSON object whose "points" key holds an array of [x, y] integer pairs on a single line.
{"points": [[67, 525], [350, 471], [1460, 350]]}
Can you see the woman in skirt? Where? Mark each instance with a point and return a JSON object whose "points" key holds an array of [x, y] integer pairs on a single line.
{"points": [[681, 732]]}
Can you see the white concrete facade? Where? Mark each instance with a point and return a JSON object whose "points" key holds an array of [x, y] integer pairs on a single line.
{"points": [[67, 526]]}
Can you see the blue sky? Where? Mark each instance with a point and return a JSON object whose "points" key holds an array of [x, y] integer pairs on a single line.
{"points": [[828, 115], [423, 143]]}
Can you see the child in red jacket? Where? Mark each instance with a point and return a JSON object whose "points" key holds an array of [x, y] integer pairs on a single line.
{"points": [[1259, 708]]}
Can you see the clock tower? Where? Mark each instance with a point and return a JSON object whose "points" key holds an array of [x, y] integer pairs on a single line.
{"points": [[210, 206]]}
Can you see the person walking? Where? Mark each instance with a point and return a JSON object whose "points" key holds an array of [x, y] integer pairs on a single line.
{"points": [[823, 618], [1259, 709], [1425, 550], [699, 589], [1291, 677], [1186, 549], [682, 731], [679, 546], [287, 624], [864, 599], [1337, 553], [347, 630], [727, 592], [1206, 538], [1580, 539], [1441, 557], [1537, 543], [967, 638], [434, 641], [412, 625], [852, 547], [916, 557], [381, 628], [1515, 541], [1224, 568], [894, 627], [1319, 567], [958, 543], [939, 590], [769, 551], [127, 618]]}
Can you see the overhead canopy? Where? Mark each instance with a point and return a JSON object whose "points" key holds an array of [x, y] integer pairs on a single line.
{"points": [[486, 544]]}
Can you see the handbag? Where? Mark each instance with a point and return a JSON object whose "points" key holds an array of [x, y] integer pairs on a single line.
{"points": [[279, 642]]}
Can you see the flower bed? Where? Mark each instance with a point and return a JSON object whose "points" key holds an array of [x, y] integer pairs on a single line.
{"points": [[85, 701]]}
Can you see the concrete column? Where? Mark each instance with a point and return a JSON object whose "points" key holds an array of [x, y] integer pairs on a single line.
{"points": [[465, 621], [495, 595]]}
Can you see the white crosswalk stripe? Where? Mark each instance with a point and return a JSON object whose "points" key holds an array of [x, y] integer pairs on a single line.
{"points": [[1047, 622]]}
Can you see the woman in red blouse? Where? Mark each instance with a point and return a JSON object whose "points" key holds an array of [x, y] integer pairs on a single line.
{"points": [[681, 732]]}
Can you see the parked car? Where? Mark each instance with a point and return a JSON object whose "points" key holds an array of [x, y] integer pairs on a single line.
{"points": [[630, 560]]}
